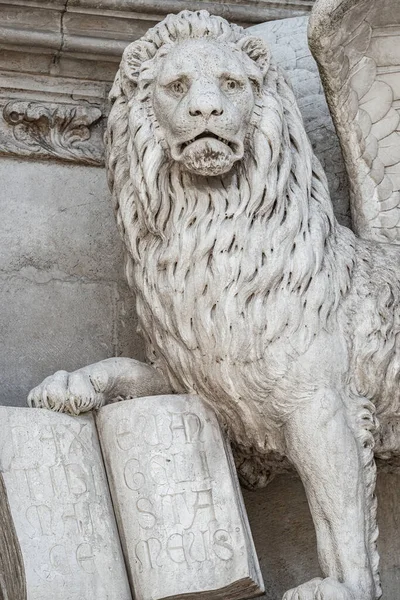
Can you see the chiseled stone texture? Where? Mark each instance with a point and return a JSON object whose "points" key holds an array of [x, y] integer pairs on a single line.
{"points": [[287, 39], [63, 293], [61, 254], [248, 289], [285, 541], [177, 499], [61, 506]]}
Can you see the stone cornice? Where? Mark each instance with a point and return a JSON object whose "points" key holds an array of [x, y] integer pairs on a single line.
{"points": [[85, 38]]}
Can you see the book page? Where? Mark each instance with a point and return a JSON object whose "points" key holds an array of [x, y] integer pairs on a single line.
{"points": [[60, 505], [178, 503]]}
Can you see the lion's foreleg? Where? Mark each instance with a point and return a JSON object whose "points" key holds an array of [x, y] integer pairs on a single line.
{"points": [[327, 455], [95, 385]]}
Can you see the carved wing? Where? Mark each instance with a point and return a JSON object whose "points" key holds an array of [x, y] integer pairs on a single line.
{"points": [[356, 44]]}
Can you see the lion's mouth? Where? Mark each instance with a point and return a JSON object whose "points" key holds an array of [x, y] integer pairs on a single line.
{"points": [[211, 136], [208, 154]]}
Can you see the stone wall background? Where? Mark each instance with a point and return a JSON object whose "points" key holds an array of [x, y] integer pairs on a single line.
{"points": [[64, 299]]}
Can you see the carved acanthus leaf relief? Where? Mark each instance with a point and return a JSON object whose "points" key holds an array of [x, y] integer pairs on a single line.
{"points": [[61, 131]]}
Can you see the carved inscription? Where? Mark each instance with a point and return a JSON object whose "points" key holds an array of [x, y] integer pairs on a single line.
{"points": [[60, 503], [176, 497], [166, 468]]}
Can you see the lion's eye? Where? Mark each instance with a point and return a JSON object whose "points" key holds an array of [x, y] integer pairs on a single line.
{"points": [[178, 88], [231, 85]]}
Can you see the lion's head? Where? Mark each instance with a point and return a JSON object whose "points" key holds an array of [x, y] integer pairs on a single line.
{"points": [[203, 99], [200, 79], [198, 97]]}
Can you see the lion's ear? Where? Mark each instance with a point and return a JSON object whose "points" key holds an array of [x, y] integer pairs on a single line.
{"points": [[257, 50], [122, 86]]}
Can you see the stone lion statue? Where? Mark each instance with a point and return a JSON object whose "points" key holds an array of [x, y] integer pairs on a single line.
{"points": [[249, 293]]}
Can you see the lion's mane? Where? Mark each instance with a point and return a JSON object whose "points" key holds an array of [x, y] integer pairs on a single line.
{"points": [[272, 214], [222, 267]]}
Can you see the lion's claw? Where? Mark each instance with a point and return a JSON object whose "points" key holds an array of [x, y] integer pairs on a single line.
{"points": [[73, 393], [320, 589]]}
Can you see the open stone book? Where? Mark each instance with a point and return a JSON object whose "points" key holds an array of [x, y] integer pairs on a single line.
{"points": [[180, 528]]}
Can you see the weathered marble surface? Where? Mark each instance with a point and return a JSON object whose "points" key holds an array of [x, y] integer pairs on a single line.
{"points": [[61, 507], [177, 499], [59, 57], [63, 294], [66, 258], [85, 38]]}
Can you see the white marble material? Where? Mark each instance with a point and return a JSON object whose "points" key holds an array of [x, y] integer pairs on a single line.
{"points": [[177, 499], [85, 38], [61, 506], [249, 293]]}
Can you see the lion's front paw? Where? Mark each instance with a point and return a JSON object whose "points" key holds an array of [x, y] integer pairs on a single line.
{"points": [[320, 589], [72, 393]]}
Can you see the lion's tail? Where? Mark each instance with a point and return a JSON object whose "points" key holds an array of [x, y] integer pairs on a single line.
{"points": [[365, 426]]}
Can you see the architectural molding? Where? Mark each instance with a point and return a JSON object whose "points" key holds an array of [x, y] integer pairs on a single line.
{"points": [[53, 130], [45, 117], [85, 38]]}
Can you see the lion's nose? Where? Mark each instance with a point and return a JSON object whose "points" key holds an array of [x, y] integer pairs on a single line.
{"points": [[206, 105]]}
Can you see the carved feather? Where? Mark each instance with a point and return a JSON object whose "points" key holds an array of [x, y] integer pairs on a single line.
{"points": [[356, 46]]}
